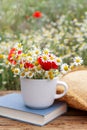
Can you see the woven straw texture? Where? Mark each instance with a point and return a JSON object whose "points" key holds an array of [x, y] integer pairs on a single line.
{"points": [[76, 96]]}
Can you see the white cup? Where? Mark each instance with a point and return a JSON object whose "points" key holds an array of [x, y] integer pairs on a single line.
{"points": [[41, 93]]}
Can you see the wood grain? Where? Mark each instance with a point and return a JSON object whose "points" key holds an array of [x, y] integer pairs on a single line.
{"points": [[72, 120]]}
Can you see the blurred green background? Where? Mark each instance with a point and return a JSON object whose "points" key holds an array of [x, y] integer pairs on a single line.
{"points": [[62, 28]]}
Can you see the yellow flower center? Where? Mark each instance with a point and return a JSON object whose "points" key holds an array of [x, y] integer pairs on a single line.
{"points": [[22, 74], [36, 63], [46, 51], [37, 52], [58, 60], [1, 56], [50, 73], [51, 76], [30, 58], [45, 58], [38, 67], [26, 70], [24, 55], [65, 68], [6, 62], [30, 74], [72, 67], [19, 45], [51, 58], [16, 71], [21, 65], [77, 60], [29, 54]]}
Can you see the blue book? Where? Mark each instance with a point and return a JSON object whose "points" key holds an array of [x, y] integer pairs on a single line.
{"points": [[12, 106]]}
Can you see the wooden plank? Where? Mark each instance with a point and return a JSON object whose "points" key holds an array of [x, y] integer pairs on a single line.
{"points": [[64, 122]]}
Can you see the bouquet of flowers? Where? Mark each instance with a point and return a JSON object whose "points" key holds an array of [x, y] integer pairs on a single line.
{"points": [[35, 63]]}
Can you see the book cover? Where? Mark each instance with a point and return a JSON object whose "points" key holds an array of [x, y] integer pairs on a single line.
{"points": [[12, 106]]}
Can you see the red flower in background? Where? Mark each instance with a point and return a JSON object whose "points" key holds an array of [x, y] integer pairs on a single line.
{"points": [[10, 56], [13, 53], [12, 50], [37, 14]]}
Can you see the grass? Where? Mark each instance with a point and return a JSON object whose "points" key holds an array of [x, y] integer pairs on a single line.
{"points": [[12, 13], [63, 29]]}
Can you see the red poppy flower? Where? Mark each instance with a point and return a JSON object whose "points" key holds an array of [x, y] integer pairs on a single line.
{"points": [[40, 61], [54, 65], [46, 65], [12, 50], [28, 65], [37, 14], [10, 58], [13, 62]]}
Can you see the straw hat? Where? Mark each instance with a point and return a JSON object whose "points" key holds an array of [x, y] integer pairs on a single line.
{"points": [[76, 96]]}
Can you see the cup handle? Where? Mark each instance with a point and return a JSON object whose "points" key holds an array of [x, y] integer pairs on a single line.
{"points": [[65, 91]]}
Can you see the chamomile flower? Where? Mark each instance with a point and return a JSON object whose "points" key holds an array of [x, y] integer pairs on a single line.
{"points": [[65, 68], [6, 63], [49, 75], [1, 56], [38, 69], [21, 65], [78, 60], [72, 66], [59, 60], [37, 51], [16, 71], [44, 57], [30, 59], [46, 51], [52, 57], [30, 74], [23, 57], [18, 46], [22, 74]]}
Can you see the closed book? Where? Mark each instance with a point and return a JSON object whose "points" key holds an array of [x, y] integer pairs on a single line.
{"points": [[12, 106]]}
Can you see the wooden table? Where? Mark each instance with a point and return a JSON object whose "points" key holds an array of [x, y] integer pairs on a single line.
{"points": [[72, 120]]}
